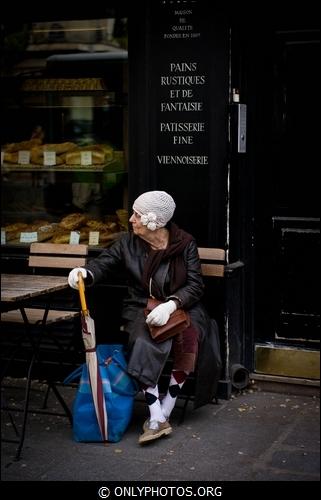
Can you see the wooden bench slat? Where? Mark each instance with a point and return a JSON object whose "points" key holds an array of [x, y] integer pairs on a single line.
{"points": [[59, 248], [213, 270], [211, 253], [56, 261]]}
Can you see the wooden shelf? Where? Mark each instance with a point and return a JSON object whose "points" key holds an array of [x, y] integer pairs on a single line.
{"points": [[108, 168]]}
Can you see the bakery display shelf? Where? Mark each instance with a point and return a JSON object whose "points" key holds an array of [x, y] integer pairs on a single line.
{"points": [[109, 167]]}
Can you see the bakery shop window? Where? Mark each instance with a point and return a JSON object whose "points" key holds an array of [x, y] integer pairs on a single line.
{"points": [[64, 145]]}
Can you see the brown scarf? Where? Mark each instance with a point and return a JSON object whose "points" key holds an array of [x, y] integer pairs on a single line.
{"points": [[178, 240]]}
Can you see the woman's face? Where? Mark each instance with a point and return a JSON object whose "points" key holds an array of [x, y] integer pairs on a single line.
{"points": [[138, 227]]}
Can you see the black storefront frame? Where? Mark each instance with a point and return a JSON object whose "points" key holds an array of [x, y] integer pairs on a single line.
{"points": [[143, 175]]}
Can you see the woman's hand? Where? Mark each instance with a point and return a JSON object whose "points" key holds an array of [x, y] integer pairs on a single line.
{"points": [[160, 315], [73, 276]]}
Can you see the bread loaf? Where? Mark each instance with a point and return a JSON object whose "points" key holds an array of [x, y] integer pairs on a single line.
{"points": [[61, 238], [101, 154], [59, 148], [36, 225], [95, 225], [10, 158], [107, 236], [74, 158], [13, 230], [64, 236], [45, 230], [45, 235], [104, 148], [17, 226], [22, 146], [73, 221]]}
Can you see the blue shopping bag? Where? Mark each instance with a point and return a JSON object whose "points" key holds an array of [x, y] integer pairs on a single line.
{"points": [[119, 392]]}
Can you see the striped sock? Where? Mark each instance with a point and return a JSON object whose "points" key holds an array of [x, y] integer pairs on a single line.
{"points": [[175, 384], [152, 399]]}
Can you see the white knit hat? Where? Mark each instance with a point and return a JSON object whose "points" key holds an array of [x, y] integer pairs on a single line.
{"points": [[156, 208]]}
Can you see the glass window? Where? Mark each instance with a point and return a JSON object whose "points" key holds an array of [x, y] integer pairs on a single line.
{"points": [[64, 143]]}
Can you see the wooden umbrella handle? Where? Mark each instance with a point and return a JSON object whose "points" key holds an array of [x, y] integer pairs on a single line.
{"points": [[81, 288]]}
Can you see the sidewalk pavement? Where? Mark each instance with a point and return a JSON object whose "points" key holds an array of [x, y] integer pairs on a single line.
{"points": [[255, 436]]}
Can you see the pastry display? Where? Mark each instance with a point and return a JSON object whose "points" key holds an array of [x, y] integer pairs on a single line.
{"points": [[63, 155], [37, 154], [47, 193], [59, 232], [67, 153], [61, 84]]}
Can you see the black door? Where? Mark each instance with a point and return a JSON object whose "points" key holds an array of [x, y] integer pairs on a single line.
{"points": [[286, 184]]}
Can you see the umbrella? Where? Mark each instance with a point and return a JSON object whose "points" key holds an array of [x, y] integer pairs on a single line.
{"points": [[89, 338]]}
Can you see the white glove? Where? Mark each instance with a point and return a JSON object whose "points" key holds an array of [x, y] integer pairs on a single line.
{"points": [[160, 315], [73, 276]]}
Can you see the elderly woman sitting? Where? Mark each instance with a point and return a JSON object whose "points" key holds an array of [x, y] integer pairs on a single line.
{"points": [[161, 260]]}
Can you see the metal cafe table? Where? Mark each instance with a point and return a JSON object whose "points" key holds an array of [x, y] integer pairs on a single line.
{"points": [[17, 294]]}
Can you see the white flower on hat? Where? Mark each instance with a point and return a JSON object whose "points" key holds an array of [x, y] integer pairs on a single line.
{"points": [[149, 220]]}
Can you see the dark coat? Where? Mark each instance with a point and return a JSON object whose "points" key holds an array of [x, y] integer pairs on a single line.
{"points": [[147, 359]]}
